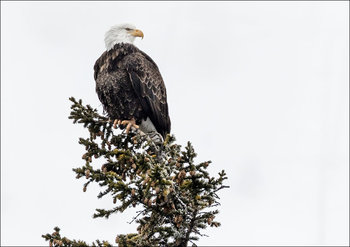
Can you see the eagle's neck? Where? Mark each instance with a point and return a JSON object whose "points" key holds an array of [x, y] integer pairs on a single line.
{"points": [[123, 49], [111, 39]]}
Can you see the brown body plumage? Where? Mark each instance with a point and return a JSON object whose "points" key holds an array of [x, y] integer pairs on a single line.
{"points": [[129, 85]]}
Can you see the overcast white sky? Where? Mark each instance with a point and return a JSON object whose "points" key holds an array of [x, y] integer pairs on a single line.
{"points": [[260, 88]]}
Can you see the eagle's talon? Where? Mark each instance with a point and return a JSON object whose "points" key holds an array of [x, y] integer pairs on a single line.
{"points": [[129, 124], [115, 123]]}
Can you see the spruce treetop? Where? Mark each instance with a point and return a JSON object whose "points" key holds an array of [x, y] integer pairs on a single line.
{"points": [[177, 196]]}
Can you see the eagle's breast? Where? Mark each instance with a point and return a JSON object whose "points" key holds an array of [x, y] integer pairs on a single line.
{"points": [[116, 93]]}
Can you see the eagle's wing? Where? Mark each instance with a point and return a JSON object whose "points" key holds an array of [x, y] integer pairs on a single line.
{"points": [[149, 87], [99, 62]]}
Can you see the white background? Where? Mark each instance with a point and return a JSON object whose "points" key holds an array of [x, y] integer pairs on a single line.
{"points": [[260, 88]]}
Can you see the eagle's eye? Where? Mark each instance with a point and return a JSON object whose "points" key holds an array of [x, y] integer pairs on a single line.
{"points": [[128, 29]]}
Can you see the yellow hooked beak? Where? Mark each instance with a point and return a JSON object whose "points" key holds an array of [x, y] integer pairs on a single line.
{"points": [[137, 33]]}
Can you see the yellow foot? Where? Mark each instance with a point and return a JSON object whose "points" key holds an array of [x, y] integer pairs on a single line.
{"points": [[116, 121], [128, 123]]}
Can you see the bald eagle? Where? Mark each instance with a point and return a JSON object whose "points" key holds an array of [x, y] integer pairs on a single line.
{"points": [[129, 84]]}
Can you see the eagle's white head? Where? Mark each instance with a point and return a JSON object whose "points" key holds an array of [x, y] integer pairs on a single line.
{"points": [[123, 33]]}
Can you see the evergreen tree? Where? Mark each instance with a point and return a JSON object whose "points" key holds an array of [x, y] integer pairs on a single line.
{"points": [[178, 197]]}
